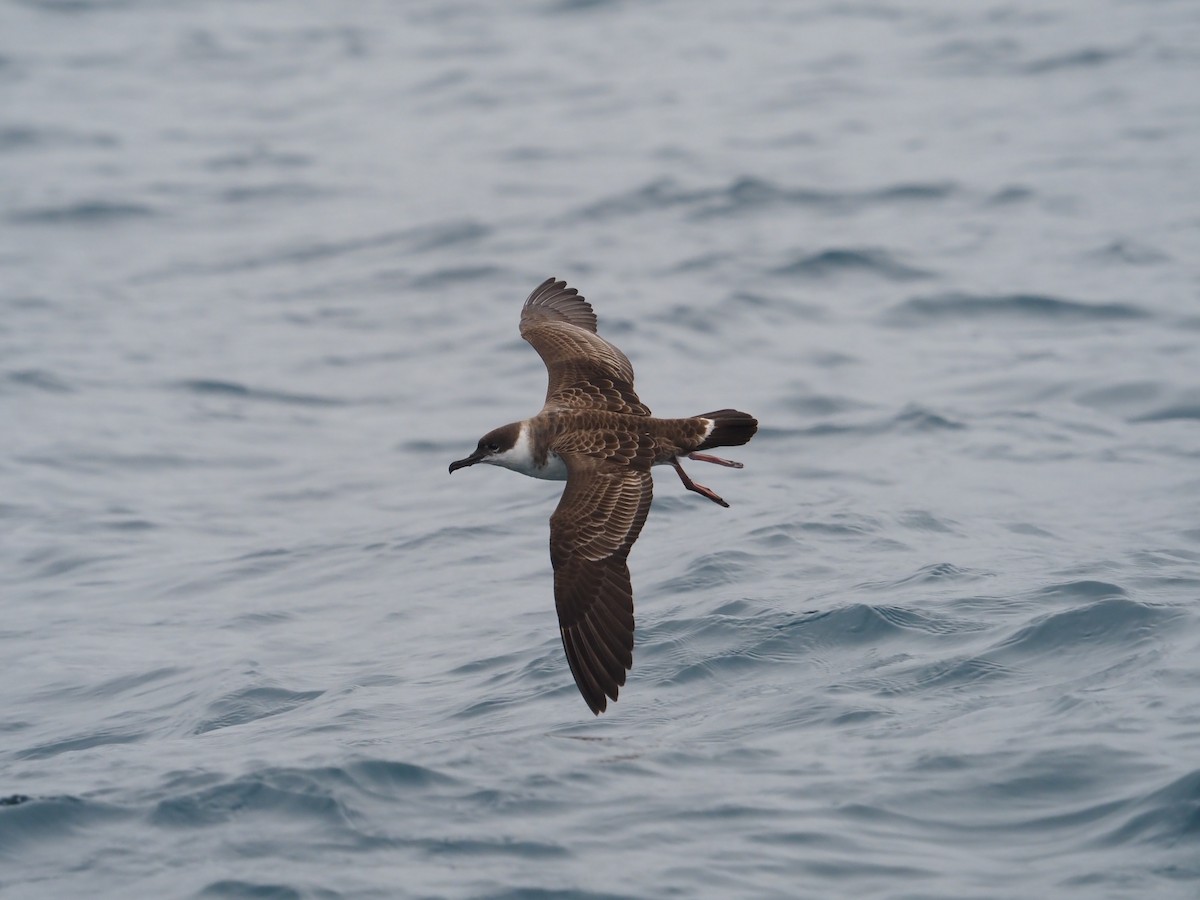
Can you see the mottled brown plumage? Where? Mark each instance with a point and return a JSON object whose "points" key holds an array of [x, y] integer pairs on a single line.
{"points": [[594, 432], [586, 371]]}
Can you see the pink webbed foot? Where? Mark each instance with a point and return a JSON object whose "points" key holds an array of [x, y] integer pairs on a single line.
{"points": [[704, 457], [698, 488]]}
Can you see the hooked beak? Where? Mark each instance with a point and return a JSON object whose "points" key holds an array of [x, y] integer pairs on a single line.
{"points": [[463, 463]]}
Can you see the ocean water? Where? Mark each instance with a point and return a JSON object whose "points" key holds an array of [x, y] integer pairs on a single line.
{"points": [[260, 271]]}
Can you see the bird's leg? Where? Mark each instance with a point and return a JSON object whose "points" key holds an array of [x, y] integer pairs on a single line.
{"points": [[704, 457], [698, 488]]}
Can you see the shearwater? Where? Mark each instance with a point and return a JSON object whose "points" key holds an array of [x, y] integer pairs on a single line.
{"points": [[594, 433]]}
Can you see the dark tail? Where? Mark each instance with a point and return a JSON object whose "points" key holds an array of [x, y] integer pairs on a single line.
{"points": [[730, 428]]}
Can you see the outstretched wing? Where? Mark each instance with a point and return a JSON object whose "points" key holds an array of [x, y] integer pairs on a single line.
{"points": [[586, 371], [597, 520]]}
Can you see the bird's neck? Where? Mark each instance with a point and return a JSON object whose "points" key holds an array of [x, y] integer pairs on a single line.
{"points": [[523, 457]]}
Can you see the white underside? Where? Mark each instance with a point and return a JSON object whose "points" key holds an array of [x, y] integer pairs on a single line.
{"points": [[520, 459]]}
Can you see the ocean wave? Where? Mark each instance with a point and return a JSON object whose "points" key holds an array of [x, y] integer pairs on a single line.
{"points": [[41, 820], [219, 388], [251, 704], [15, 138], [748, 194], [847, 261], [425, 238], [1030, 307], [1163, 817], [38, 379], [1118, 621], [1170, 413], [83, 212], [323, 795]]}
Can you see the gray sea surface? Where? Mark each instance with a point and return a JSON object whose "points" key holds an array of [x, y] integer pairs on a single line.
{"points": [[261, 265]]}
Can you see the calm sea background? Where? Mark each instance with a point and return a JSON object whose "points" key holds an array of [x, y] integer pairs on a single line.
{"points": [[261, 265]]}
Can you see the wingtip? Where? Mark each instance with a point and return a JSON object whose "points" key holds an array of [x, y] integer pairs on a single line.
{"points": [[594, 692], [554, 300], [599, 704]]}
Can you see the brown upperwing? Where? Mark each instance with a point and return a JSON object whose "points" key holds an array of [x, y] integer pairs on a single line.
{"points": [[586, 371], [600, 515]]}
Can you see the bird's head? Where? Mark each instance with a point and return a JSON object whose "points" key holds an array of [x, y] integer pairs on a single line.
{"points": [[495, 447]]}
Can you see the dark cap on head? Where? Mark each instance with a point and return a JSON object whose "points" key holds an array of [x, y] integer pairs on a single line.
{"points": [[498, 440]]}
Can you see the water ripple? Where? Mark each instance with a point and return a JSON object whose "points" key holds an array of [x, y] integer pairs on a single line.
{"points": [[843, 261], [38, 379], [1031, 307], [1166, 816], [217, 387], [251, 704], [749, 194], [84, 212], [1111, 621]]}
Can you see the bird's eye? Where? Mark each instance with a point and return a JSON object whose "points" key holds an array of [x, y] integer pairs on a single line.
{"points": [[493, 446]]}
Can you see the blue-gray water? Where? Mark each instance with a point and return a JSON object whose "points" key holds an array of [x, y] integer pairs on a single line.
{"points": [[260, 271]]}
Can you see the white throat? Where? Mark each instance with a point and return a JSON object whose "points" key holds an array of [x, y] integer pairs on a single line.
{"points": [[519, 458]]}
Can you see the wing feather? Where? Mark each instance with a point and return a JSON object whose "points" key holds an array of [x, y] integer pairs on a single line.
{"points": [[586, 371], [600, 515]]}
